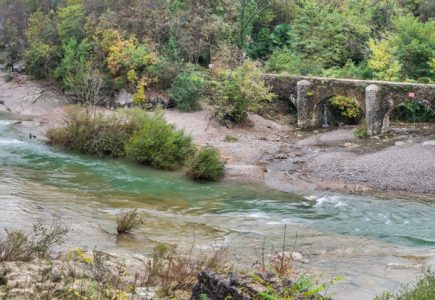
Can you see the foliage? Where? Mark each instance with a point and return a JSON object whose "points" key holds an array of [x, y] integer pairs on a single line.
{"points": [[410, 111], [186, 89], [405, 54], [71, 22], [129, 54], [42, 53], [159, 144], [19, 246], [230, 139], [241, 92], [127, 221], [285, 60], [206, 165], [139, 97], [172, 272], [39, 59], [361, 132], [333, 39], [383, 62], [424, 289], [415, 42], [74, 61], [94, 133], [347, 108]]}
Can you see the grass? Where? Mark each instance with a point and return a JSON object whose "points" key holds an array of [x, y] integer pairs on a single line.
{"points": [[127, 221], [230, 139], [361, 132], [423, 289]]}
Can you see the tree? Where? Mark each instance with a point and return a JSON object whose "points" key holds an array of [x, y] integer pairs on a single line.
{"points": [[248, 12], [383, 61], [42, 54], [71, 22], [415, 42]]}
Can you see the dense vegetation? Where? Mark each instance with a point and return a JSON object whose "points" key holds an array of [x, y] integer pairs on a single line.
{"points": [[105, 45]]}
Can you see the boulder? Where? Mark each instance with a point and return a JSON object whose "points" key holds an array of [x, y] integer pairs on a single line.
{"points": [[19, 67], [429, 143], [123, 98]]}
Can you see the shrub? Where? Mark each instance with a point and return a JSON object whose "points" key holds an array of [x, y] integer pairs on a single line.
{"points": [[186, 89], [230, 139], [424, 289], [159, 144], [206, 165], [241, 92], [94, 133], [127, 221], [128, 56], [345, 109], [165, 71], [139, 97], [19, 246], [410, 111]]}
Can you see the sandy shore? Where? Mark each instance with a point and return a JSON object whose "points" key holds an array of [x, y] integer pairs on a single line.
{"points": [[276, 153]]}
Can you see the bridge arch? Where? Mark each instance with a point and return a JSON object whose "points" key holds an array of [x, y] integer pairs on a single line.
{"points": [[376, 98]]}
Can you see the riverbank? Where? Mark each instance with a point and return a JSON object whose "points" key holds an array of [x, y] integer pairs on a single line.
{"points": [[272, 152]]}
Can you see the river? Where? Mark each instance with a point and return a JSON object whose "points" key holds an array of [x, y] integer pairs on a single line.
{"points": [[373, 243]]}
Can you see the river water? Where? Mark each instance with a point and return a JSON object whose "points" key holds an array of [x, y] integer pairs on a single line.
{"points": [[373, 243]]}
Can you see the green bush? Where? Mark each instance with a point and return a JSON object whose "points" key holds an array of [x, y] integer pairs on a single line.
{"points": [[159, 144], [345, 110], [206, 165], [186, 90], [93, 133], [410, 111], [240, 92]]}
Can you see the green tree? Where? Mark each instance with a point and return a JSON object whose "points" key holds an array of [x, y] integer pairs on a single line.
{"points": [[382, 61], [415, 42], [42, 54], [71, 21], [74, 62]]}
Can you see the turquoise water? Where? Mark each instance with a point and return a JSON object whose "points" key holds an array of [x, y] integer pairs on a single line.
{"points": [[39, 181]]}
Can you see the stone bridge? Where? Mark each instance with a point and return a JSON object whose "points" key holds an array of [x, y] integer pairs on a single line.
{"points": [[377, 99]]}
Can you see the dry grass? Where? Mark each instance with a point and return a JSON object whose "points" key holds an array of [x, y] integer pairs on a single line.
{"points": [[20, 246]]}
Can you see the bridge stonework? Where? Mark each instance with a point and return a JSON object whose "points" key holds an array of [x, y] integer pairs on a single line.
{"points": [[377, 99]]}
